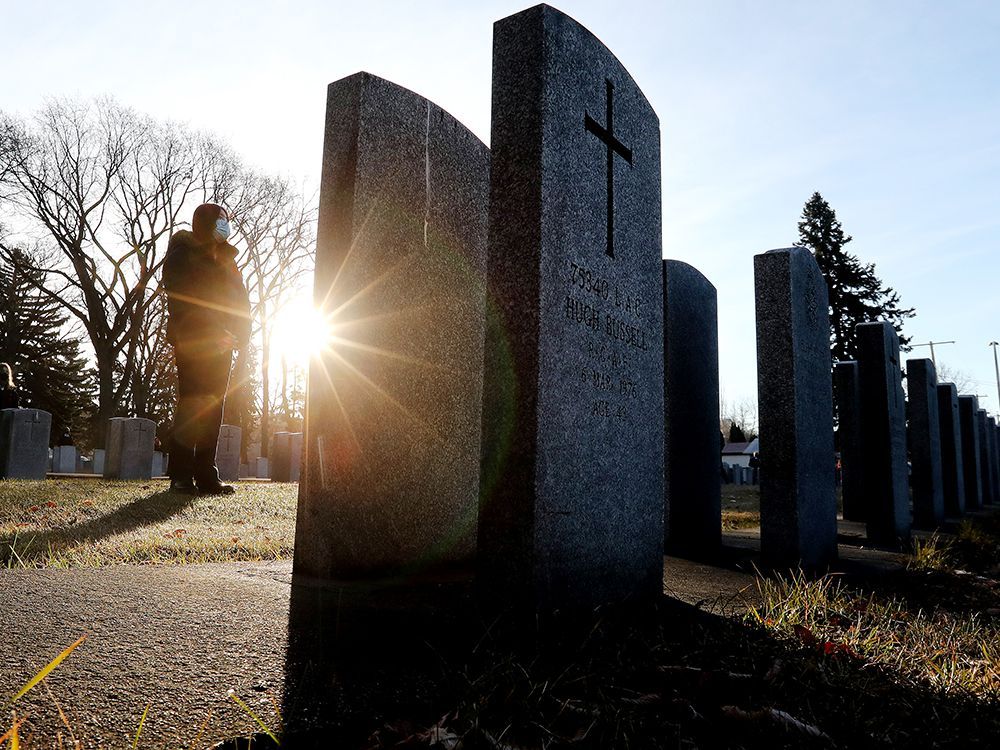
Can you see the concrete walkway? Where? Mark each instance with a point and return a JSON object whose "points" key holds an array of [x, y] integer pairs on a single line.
{"points": [[179, 637]]}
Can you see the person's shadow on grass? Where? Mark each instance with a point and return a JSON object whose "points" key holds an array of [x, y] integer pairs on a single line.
{"points": [[146, 511]]}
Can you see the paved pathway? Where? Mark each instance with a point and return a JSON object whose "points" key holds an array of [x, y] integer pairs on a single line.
{"points": [[179, 637]]}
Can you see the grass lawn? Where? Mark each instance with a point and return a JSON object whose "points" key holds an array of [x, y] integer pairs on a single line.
{"points": [[72, 523], [740, 506]]}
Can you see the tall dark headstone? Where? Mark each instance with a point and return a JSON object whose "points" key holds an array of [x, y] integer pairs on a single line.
{"points": [[391, 466], [991, 434], [798, 505], [852, 466], [693, 490], [985, 472], [571, 509], [968, 407], [924, 441], [952, 474], [883, 433]]}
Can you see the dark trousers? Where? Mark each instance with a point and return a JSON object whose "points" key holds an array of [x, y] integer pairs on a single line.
{"points": [[202, 380]]}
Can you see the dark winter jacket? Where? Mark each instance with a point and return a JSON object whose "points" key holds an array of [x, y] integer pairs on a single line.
{"points": [[9, 398], [206, 298]]}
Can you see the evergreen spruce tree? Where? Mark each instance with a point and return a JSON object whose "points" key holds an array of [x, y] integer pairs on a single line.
{"points": [[857, 294], [50, 371]]}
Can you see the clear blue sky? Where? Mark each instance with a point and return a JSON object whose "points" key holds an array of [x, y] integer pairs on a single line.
{"points": [[891, 109]]}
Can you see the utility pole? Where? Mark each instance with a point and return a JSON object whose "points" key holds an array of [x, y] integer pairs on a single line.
{"points": [[932, 344], [996, 368]]}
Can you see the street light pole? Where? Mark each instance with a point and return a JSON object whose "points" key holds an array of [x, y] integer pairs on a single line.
{"points": [[931, 344]]}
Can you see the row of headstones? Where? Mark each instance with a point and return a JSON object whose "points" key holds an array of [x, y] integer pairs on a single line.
{"points": [[129, 451], [741, 475], [953, 445], [559, 423]]}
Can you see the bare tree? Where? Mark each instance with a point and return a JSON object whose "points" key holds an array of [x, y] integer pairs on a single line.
{"points": [[275, 227], [742, 414], [105, 187], [963, 381]]}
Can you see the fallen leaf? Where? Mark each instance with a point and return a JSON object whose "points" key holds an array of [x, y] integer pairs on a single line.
{"points": [[805, 635], [51, 504]]}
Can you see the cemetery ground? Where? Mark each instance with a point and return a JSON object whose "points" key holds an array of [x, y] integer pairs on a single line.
{"points": [[902, 653]]}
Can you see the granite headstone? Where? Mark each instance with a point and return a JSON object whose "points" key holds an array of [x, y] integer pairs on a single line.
{"points": [[852, 467], [798, 505], [985, 473], [24, 443], [261, 469], [693, 492], [227, 452], [883, 433], [286, 456], [394, 409], [968, 407], [991, 435], [571, 502], [64, 459], [952, 475], [129, 448], [924, 441]]}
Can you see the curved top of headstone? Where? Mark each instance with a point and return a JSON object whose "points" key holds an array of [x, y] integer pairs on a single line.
{"points": [[561, 28], [690, 274], [382, 89]]}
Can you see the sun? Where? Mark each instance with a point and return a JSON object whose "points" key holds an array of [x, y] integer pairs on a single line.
{"points": [[300, 332]]}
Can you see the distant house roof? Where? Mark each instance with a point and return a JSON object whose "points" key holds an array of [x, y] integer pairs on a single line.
{"points": [[735, 449], [741, 449]]}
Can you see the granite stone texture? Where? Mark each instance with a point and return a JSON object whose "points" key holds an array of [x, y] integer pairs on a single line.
{"points": [[692, 486], [24, 443], [798, 505], [968, 407], [227, 452], [98, 462], [985, 473], [991, 435], [261, 468], [129, 448], [571, 501], [924, 441], [952, 475], [883, 433], [286, 457], [64, 459], [852, 458], [159, 465], [394, 410]]}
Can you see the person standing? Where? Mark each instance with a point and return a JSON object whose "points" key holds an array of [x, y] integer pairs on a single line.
{"points": [[208, 318], [9, 396]]}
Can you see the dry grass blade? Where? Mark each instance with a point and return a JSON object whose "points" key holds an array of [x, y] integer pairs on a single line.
{"points": [[11, 734], [255, 717], [778, 718], [44, 671], [135, 742]]}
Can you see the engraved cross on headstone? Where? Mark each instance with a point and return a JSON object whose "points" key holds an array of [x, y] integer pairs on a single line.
{"points": [[614, 146]]}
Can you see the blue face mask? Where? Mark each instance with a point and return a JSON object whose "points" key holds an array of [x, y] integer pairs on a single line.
{"points": [[221, 231]]}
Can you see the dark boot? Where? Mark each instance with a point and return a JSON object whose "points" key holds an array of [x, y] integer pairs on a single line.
{"points": [[184, 486], [216, 488]]}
